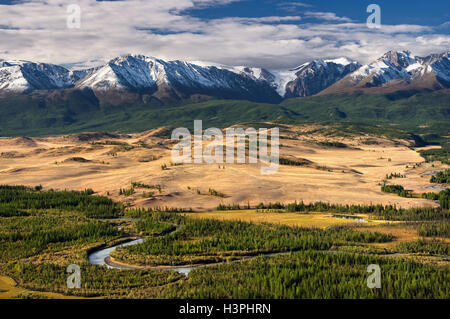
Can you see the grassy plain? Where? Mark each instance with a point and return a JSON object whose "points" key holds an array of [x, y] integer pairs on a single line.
{"points": [[312, 219], [108, 163]]}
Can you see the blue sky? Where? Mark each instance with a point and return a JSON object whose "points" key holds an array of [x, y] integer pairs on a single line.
{"points": [[263, 33], [430, 12]]}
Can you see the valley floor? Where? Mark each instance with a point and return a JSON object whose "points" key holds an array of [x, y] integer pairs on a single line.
{"points": [[189, 215], [351, 174]]}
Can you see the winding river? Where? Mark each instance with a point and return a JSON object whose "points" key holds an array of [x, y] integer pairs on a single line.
{"points": [[103, 257]]}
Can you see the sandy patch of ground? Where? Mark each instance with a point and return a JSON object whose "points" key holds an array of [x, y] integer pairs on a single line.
{"points": [[401, 231]]}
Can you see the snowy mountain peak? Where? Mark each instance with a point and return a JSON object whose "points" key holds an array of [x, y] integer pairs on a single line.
{"points": [[342, 61], [24, 76], [400, 59], [312, 77], [393, 65]]}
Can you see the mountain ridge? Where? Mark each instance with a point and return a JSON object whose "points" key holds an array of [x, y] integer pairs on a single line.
{"points": [[396, 71], [34, 115], [134, 77]]}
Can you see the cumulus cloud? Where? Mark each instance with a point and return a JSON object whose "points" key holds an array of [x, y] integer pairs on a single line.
{"points": [[37, 31]]}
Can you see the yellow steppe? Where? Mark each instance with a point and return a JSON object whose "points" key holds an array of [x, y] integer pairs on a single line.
{"points": [[349, 175]]}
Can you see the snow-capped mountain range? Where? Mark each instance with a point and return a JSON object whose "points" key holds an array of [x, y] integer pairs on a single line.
{"points": [[138, 74], [398, 70]]}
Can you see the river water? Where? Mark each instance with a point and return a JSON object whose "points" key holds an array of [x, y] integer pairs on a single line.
{"points": [[358, 219], [98, 257]]}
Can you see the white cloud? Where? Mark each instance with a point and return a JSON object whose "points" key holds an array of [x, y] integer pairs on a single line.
{"points": [[293, 6], [269, 19], [37, 31], [327, 16]]}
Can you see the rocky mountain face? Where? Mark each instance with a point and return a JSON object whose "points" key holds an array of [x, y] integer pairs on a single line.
{"points": [[134, 76], [314, 77]]}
